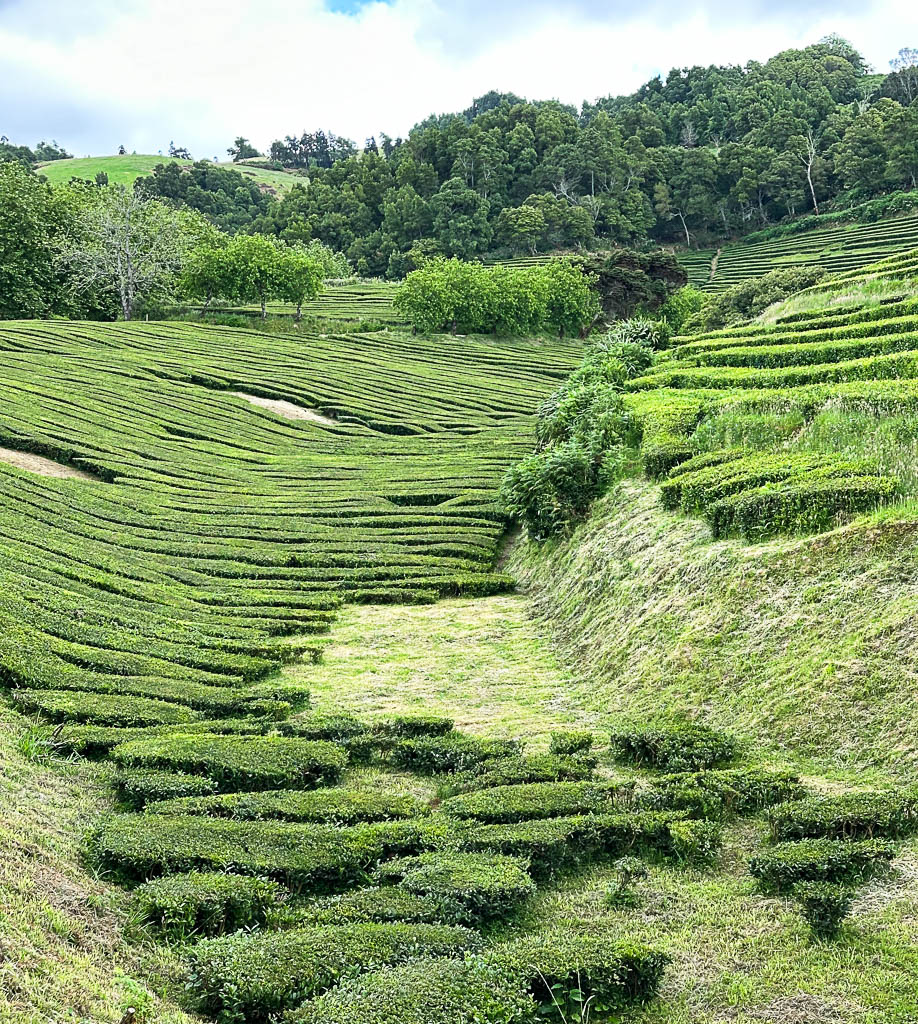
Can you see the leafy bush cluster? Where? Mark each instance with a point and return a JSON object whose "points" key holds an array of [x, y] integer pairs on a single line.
{"points": [[722, 793], [444, 991], [780, 867], [537, 800], [582, 434], [142, 786], [567, 973], [333, 805], [847, 816], [469, 297], [247, 978], [746, 300], [451, 752], [240, 762], [207, 903], [686, 746], [469, 887]]}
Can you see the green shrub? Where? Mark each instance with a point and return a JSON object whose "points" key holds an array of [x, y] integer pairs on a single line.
{"points": [[681, 305], [248, 977], [685, 746], [240, 762], [780, 867], [722, 793], [573, 741], [145, 785], [335, 805], [824, 906], [628, 870], [99, 740], [423, 992], [103, 708], [412, 726], [551, 490], [508, 771], [537, 800], [695, 842], [747, 299], [808, 506], [386, 903], [470, 887], [454, 752], [847, 816], [139, 846], [664, 452], [204, 903], [641, 330], [552, 845], [335, 726], [566, 973]]}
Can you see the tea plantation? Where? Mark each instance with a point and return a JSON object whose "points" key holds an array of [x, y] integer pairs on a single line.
{"points": [[299, 861]]}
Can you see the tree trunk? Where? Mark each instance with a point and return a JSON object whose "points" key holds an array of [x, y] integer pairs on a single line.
{"points": [[688, 237], [299, 312], [809, 178], [264, 309]]}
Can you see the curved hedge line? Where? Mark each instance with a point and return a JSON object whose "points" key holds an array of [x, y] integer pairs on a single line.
{"points": [[240, 762]]}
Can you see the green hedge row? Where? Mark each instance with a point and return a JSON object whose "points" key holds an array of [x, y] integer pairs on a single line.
{"points": [[240, 762], [424, 992], [141, 786], [847, 816], [102, 708], [139, 846], [538, 800], [100, 740], [518, 769], [685, 746], [379, 903], [722, 793], [333, 805], [469, 887], [453, 752], [247, 978], [207, 903], [780, 867]]}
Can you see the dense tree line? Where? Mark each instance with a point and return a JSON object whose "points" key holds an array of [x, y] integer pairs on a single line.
{"points": [[704, 154]]}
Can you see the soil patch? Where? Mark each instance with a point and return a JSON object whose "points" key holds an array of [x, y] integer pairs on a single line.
{"points": [[39, 464], [287, 409]]}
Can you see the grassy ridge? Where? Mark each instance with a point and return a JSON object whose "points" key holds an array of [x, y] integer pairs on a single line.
{"points": [[124, 170]]}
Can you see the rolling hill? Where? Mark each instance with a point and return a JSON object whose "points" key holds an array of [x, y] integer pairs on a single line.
{"points": [[124, 170]]}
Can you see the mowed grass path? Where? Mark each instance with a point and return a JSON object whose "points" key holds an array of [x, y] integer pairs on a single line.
{"points": [[483, 662]]}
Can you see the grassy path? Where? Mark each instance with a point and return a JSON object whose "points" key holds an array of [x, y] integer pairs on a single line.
{"points": [[481, 661]]}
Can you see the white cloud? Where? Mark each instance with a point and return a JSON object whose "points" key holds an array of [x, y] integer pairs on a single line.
{"points": [[202, 72]]}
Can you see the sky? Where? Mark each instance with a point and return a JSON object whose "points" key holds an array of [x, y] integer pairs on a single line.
{"points": [[97, 74]]}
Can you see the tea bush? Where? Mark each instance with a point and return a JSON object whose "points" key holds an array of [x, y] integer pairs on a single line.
{"points": [[847, 816], [824, 906], [333, 805], [566, 972], [424, 992], [249, 977], [722, 793], [145, 785], [204, 903], [780, 867], [453, 752], [537, 800], [567, 743], [385, 903], [470, 887], [240, 762], [686, 746]]}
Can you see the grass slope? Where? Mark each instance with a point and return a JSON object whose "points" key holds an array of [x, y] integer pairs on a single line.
{"points": [[63, 955], [803, 645], [124, 170]]}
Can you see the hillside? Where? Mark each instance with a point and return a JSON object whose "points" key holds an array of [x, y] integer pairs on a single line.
{"points": [[124, 170]]}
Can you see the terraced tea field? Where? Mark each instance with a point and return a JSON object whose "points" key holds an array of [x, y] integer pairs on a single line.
{"points": [[362, 302], [217, 538], [838, 249], [792, 424]]}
